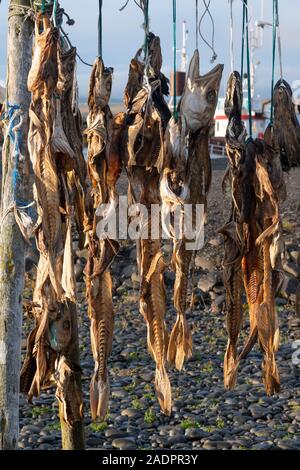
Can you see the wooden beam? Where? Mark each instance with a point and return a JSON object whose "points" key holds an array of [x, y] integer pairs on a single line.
{"points": [[12, 245]]}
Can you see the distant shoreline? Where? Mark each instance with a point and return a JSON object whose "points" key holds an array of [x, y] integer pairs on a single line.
{"points": [[116, 107]]}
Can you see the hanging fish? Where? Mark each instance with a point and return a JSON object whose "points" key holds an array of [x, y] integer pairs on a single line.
{"points": [[252, 240], [186, 180]]}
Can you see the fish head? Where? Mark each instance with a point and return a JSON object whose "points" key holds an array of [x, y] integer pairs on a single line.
{"points": [[155, 56], [199, 101], [236, 130], [282, 95], [135, 80], [234, 96], [103, 83]]}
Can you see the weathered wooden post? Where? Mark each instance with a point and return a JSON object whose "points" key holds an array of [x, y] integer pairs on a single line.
{"points": [[12, 245]]}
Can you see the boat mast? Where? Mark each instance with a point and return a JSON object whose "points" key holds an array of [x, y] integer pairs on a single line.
{"points": [[184, 57]]}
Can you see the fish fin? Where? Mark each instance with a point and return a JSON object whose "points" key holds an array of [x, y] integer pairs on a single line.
{"points": [[163, 390], [230, 366], [99, 396], [180, 344]]}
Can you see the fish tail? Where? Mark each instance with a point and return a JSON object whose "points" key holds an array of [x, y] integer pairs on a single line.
{"points": [[230, 366], [180, 344], [99, 396], [163, 390]]}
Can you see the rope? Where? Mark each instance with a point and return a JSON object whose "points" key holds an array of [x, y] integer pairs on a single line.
{"points": [[100, 30], [175, 113], [275, 10], [146, 27], [231, 37], [243, 40], [54, 13], [197, 21], [144, 6], [248, 70], [212, 45], [65, 35]]}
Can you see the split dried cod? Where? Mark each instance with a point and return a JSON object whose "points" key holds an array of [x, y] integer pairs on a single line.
{"points": [[141, 133], [56, 165], [252, 240], [186, 180], [152, 301], [101, 250]]}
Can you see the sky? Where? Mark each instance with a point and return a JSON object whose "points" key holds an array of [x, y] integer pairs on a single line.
{"points": [[123, 35]]}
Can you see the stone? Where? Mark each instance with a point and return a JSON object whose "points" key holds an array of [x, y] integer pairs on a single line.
{"points": [[216, 445], [135, 278], [204, 263], [208, 281], [288, 444], [119, 393], [258, 412], [267, 445], [291, 268], [82, 253], [94, 441], [128, 270], [289, 287], [30, 428], [215, 241], [194, 434], [294, 256], [130, 412], [123, 443], [218, 303], [45, 447], [78, 271]]}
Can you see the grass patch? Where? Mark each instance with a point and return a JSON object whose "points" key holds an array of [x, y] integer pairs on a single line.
{"points": [[40, 411], [208, 368], [149, 396], [54, 426], [149, 416], [136, 404], [130, 387], [288, 226], [220, 423], [99, 427], [189, 424]]}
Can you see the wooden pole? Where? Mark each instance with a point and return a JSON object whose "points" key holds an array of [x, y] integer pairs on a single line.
{"points": [[12, 246], [73, 437]]}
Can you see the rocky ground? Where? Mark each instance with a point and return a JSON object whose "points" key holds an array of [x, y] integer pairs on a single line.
{"points": [[205, 416]]}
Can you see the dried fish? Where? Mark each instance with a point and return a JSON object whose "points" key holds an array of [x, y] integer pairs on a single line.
{"points": [[139, 141], [56, 165], [186, 180], [104, 168], [286, 125], [252, 240], [152, 300]]}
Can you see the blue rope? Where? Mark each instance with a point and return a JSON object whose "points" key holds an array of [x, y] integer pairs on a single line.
{"points": [[16, 139]]}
